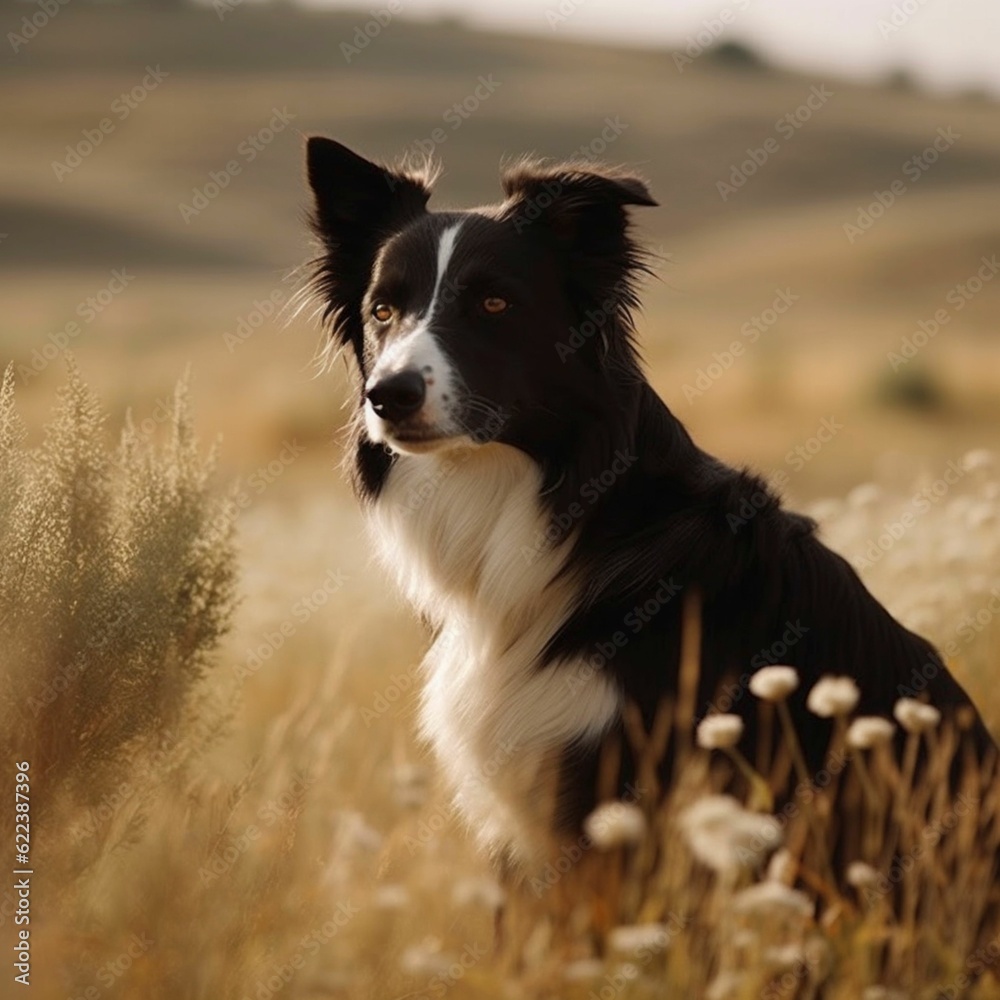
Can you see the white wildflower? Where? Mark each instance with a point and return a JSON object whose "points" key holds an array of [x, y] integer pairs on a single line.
{"points": [[726, 986], [426, 959], [774, 683], [825, 510], [818, 955], [980, 515], [639, 937], [355, 833], [977, 459], [477, 892], [868, 731], [772, 899], [583, 970], [865, 495], [832, 696], [861, 874], [883, 993], [958, 507], [785, 956], [921, 620], [612, 824], [410, 785], [725, 836], [831, 917], [716, 732], [392, 896], [916, 716], [782, 867]]}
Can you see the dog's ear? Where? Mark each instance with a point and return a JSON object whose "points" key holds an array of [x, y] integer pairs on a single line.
{"points": [[357, 206], [581, 209], [575, 202]]}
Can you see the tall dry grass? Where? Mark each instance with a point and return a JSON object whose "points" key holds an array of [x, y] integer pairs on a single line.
{"points": [[249, 816]]}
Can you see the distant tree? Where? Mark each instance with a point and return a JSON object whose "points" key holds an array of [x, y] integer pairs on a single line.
{"points": [[736, 55], [902, 79]]}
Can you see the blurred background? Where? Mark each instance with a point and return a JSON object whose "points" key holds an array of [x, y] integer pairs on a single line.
{"points": [[825, 309], [164, 143]]}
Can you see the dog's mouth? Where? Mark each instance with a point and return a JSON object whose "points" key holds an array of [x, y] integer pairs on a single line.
{"points": [[428, 426], [421, 438]]}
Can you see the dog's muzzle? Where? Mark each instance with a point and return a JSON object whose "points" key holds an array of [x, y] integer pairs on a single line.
{"points": [[398, 396]]}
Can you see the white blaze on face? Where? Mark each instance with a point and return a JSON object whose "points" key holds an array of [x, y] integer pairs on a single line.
{"points": [[419, 349]]}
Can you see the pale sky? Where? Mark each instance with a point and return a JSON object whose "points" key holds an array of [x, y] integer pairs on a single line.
{"points": [[947, 44]]}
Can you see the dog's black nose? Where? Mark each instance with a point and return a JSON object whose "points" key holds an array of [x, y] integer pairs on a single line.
{"points": [[398, 396]]}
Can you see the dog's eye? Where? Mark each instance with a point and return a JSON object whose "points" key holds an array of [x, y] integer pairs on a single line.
{"points": [[382, 312], [494, 305]]}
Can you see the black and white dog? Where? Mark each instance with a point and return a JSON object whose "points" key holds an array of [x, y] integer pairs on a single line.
{"points": [[542, 507]]}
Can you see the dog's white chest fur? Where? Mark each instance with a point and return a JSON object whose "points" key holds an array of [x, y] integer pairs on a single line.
{"points": [[462, 529]]}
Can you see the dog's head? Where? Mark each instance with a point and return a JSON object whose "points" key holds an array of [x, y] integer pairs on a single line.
{"points": [[497, 323]]}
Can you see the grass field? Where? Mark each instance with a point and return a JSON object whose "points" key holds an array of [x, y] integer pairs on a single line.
{"points": [[310, 842]]}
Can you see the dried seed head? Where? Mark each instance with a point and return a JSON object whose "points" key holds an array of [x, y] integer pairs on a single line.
{"points": [[774, 683], [832, 696]]}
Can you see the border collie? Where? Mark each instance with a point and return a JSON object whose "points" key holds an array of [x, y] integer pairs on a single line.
{"points": [[545, 511]]}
